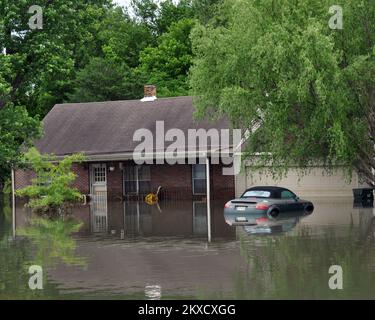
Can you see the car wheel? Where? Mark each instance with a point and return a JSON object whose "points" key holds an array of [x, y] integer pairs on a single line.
{"points": [[273, 213], [309, 208]]}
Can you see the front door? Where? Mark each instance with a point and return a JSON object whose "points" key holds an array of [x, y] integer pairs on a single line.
{"points": [[99, 208]]}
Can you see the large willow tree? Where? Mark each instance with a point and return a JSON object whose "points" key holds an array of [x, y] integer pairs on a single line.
{"points": [[279, 66]]}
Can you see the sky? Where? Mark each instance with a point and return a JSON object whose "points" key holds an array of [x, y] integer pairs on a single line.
{"points": [[122, 2], [127, 2]]}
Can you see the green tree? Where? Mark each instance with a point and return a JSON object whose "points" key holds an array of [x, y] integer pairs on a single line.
{"points": [[168, 64], [171, 12], [42, 62], [205, 10], [146, 13], [111, 75], [158, 16], [51, 190], [279, 66], [16, 128], [122, 38], [37, 67], [106, 80]]}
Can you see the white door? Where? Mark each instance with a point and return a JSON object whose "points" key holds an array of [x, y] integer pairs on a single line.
{"points": [[98, 178], [99, 208]]}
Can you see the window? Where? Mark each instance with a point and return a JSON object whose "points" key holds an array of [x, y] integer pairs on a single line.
{"points": [[137, 180], [130, 180], [199, 179], [144, 179], [257, 194], [99, 174], [286, 194]]}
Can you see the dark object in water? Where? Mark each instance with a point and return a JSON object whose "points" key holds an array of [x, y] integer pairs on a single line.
{"points": [[365, 195]]}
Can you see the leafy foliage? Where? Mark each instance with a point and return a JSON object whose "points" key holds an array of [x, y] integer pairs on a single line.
{"points": [[51, 190], [16, 128], [39, 65], [168, 64], [106, 80], [43, 62], [158, 16], [310, 89], [88, 51]]}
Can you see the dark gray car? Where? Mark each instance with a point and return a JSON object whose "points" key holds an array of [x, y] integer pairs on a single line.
{"points": [[258, 203]]}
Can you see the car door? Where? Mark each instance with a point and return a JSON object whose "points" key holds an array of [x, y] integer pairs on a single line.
{"points": [[290, 201]]}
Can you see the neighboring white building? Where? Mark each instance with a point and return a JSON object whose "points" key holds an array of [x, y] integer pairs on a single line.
{"points": [[316, 183]]}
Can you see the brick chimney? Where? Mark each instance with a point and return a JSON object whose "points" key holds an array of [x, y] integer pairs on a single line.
{"points": [[149, 93]]}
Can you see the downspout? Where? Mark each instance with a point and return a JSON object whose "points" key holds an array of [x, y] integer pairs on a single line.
{"points": [[208, 184], [13, 204]]}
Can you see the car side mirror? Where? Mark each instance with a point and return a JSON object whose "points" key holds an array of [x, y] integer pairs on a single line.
{"points": [[296, 198]]}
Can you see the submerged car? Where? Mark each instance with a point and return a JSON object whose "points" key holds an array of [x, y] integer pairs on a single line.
{"points": [[259, 203]]}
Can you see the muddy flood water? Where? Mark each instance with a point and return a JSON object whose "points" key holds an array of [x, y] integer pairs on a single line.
{"points": [[130, 250]]}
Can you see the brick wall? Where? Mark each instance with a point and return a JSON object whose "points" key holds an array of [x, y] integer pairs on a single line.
{"points": [[114, 181], [223, 187], [23, 178], [176, 181], [82, 182]]}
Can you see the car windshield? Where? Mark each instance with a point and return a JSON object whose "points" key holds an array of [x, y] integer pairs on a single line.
{"points": [[257, 194]]}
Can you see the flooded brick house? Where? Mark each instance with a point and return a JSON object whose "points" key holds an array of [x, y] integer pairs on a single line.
{"points": [[104, 132]]}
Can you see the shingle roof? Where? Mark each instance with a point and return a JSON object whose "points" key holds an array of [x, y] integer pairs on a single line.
{"points": [[108, 127]]}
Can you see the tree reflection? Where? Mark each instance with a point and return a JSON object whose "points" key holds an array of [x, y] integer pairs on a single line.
{"points": [[52, 241]]}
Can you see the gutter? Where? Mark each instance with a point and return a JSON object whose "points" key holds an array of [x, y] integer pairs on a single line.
{"points": [[148, 156]]}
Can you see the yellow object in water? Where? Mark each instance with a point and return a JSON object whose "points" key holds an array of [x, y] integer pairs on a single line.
{"points": [[151, 199]]}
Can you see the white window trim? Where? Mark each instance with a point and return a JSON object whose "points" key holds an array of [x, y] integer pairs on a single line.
{"points": [[101, 166]]}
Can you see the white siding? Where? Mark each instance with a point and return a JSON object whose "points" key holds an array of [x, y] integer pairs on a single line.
{"points": [[316, 183]]}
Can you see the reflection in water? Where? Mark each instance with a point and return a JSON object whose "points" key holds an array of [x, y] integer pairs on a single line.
{"points": [[274, 227], [199, 218], [131, 219], [52, 241], [153, 292], [138, 251], [99, 212], [296, 266], [43, 243], [285, 222]]}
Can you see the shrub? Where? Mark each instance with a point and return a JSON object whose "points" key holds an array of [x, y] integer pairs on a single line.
{"points": [[51, 191]]}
